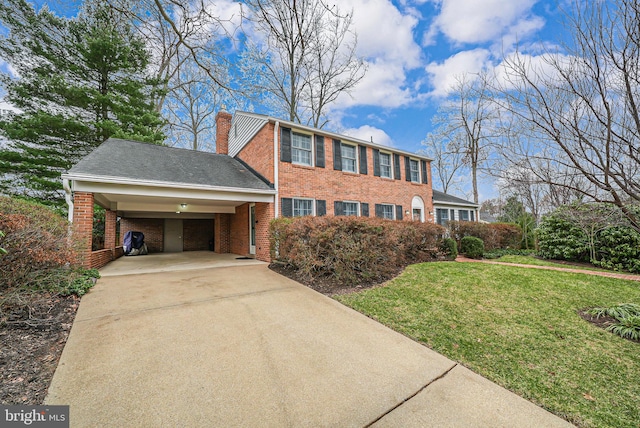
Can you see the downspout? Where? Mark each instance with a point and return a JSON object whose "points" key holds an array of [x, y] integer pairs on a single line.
{"points": [[276, 205], [67, 197]]}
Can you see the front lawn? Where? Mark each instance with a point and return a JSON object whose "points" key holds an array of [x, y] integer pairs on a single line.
{"points": [[520, 328], [531, 260]]}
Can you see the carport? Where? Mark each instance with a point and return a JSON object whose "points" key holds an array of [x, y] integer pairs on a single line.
{"points": [[182, 200]]}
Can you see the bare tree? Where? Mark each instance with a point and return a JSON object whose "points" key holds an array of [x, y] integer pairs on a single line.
{"points": [[581, 105], [448, 161], [467, 118], [307, 55]]}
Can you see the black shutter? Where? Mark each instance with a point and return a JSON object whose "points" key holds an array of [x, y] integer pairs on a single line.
{"points": [[425, 177], [398, 212], [321, 208], [337, 155], [338, 208], [472, 212], [407, 169], [320, 151], [438, 216], [396, 166], [379, 210], [364, 209], [363, 160], [452, 214], [376, 162], [285, 145], [287, 207]]}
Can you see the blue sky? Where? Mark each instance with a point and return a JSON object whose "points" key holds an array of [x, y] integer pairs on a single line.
{"points": [[414, 50]]}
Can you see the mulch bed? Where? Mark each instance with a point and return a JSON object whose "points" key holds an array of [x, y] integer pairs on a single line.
{"points": [[603, 322], [33, 331], [325, 285]]}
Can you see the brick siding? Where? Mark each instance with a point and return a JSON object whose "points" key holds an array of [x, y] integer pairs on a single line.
{"points": [[153, 229], [197, 234], [83, 225], [240, 230], [223, 126], [258, 153]]}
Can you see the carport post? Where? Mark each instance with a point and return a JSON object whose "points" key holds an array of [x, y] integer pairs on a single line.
{"points": [[110, 231], [83, 225]]}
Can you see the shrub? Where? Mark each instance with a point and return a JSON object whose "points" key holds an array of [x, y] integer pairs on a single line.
{"points": [[559, 238], [472, 247], [449, 248], [37, 242], [494, 235], [618, 248], [353, 250]]}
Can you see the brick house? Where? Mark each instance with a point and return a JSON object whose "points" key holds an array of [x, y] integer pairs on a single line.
{"points": [[263, 168]]}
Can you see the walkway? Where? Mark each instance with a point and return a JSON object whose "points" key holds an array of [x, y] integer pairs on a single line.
{"points": [[244, 346], [626, 276]]}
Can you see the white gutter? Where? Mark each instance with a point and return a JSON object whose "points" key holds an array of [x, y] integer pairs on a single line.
{"points": [[130, 182], [275, 167], [67, 197]]}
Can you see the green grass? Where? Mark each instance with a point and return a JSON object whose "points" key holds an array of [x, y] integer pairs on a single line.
{"points": [[530, 260], [521, 329]]}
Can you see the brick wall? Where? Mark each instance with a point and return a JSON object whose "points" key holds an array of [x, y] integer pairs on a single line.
{"points": [[196, 234], [110, 229], [222, 233], [264, 214], [258, 153], [240, 230], [153, 229], [101, 257], [83, 225]]}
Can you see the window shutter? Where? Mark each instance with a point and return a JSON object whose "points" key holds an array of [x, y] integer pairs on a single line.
{"points": [[472, 213], [396, 166], [321, 208], [439, 216], [407, 169], [452, 214], [364, 209], [287, 207], [319, 151], [376, 162], [363, 160], [285, 145], [425, 178], [337, 155], [398, 212], [338, 208], [378, 210]]}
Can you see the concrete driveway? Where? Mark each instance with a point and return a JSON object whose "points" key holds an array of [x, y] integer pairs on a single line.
{"points": [[244, 346]]}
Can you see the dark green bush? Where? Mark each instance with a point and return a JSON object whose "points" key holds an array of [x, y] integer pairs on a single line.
{"points": [[472, 247], [559, 238], [449, 248], [354, 250], [618, 248]]}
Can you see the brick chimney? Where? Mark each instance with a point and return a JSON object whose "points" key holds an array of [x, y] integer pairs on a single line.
{"points": [[223, 126]]}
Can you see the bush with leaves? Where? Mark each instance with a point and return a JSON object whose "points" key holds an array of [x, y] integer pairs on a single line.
{"points": [[618, 249], [37, 242], [354, 250], [559, 238], [449, 248], [472, 247]]}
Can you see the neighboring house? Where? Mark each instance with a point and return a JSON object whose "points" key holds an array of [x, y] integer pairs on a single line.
{"points": [[264, 168], [448, 207]]}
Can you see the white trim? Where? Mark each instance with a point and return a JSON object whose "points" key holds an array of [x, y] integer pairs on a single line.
{"points": [[167, 184], [311, 149], [293, 206], [358, 211]]}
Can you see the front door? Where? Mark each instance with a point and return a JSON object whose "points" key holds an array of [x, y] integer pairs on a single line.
{"points": [[173, 235], [252, 229]]}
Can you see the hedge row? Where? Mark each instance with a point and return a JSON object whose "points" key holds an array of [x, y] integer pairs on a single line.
{"points": [[36, 241], [494, 235], [354, 250]]}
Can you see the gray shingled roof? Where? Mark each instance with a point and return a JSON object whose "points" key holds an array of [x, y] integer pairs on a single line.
{"points": [[445, 198], [148, 162]]}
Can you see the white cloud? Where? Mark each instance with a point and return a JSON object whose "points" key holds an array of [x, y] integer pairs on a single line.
{"points": [[369, 133], [383, 85], [479, 21], [444, 75]]}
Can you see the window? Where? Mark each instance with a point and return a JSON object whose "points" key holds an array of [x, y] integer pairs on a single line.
{"points": [[348, 158], [386, 211], [417, 214], [302, 207], [301, 149], [350, 208], [442, 216], [463, 215], [415, 171], [385, 165]]}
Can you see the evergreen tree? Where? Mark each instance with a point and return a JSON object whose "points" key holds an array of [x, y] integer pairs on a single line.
{"points": [[76, 82]]}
